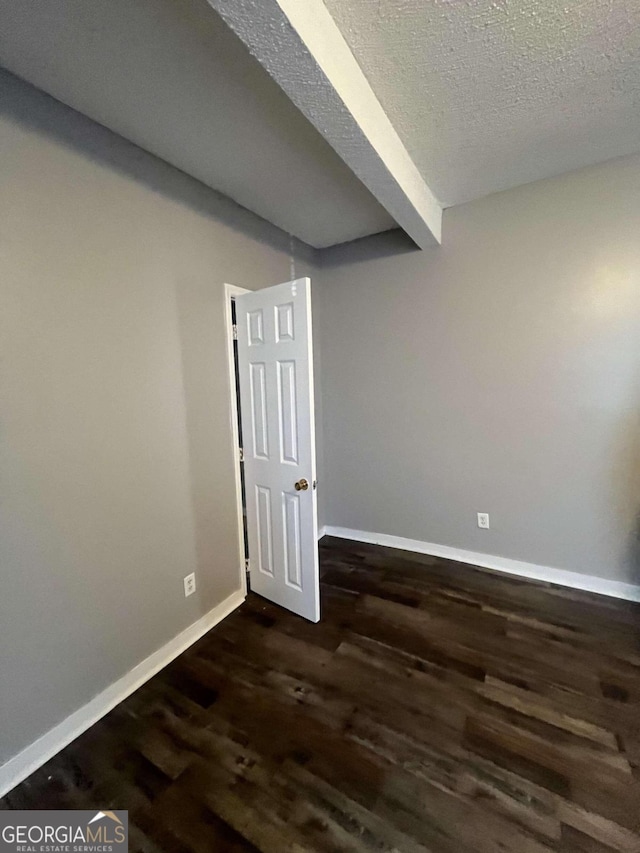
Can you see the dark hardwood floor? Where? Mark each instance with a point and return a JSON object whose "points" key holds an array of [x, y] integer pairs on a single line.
{"points": [[436, 707]]}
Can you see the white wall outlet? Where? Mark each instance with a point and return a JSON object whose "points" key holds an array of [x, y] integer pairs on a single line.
{"points": [[189, 584], [483, 520]]}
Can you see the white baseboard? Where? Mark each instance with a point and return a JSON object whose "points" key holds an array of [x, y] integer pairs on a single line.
{"points": [[322, 531], [40, 751], [574, 580]]}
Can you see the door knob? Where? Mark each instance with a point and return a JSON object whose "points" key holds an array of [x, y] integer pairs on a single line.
{"points": [[302, 485]]}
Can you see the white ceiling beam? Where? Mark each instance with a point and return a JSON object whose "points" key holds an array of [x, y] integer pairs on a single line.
{"points": [[301, 47]]}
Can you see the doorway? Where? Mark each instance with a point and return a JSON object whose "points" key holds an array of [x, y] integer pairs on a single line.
{"points": [[271, 380], [243, 490], [231, 291]]}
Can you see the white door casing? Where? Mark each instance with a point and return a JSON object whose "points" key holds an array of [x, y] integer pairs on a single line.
{"points": [[275, 360]]}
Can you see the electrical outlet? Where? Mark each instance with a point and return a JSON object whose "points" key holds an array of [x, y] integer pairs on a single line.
{"points": [[189, 584], [483, 520]]}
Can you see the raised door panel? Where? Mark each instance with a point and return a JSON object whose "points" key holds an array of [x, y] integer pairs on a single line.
{"points": [[259, 417], [292, 540], [265, 530], [287, 412]]}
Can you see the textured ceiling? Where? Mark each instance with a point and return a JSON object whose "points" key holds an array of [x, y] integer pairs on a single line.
{"points": [[170, 76], [300, 45], [489, 94]]}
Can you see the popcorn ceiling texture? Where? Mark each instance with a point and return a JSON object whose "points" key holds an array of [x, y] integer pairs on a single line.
{"points": [[302, 48], [489, 94], [171, 77]]}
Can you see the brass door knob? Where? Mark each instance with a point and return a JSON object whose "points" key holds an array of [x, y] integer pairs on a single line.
{"points": [[302, 485]]}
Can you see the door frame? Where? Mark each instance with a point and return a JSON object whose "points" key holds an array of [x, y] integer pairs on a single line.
{"points": [[231, 291]]}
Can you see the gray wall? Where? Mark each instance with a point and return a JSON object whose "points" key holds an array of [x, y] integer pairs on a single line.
{"points": [[115, 450], [498, 373]]}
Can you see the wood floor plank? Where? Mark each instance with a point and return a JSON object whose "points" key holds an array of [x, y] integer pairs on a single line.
{"points": [[436, 708]]}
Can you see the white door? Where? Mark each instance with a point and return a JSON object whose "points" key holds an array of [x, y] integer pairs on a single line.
{"points": [[278, 433]]}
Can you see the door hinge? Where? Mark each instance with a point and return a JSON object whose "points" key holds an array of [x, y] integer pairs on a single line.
{"points": [[241, 453], [246, 566], [235, 332]]}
